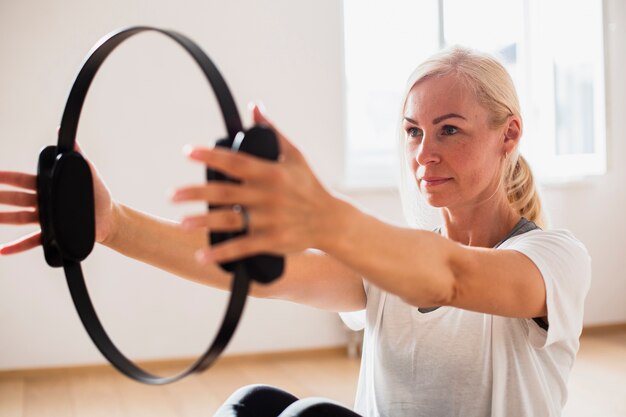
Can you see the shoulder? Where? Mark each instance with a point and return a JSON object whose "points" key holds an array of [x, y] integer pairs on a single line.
{"points": [[561, 240], [555, 251], [565, 266]]}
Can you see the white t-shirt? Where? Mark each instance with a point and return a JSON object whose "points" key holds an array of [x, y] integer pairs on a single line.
{"points": [[453, 362]]}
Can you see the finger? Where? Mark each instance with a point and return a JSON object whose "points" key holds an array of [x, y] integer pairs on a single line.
{"points": [[19, 217], [259, 117], [286, 147], [217, 220], [236, 165], [79, 149], [19, 179], [233, 249], [218, 193], [22, 244], [18, 199], [225, 220]]}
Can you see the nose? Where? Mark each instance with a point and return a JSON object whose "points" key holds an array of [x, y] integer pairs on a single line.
{"points": [[427, 151]]}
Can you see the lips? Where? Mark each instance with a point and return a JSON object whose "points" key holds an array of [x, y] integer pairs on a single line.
{"points": [[433, 181]]}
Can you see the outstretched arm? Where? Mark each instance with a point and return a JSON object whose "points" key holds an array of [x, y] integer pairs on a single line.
{"points": [[310, 277], [290, 210], [426, 269]]}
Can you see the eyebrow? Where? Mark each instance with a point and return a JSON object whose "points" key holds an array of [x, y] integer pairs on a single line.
{"points": [[439, 119]]}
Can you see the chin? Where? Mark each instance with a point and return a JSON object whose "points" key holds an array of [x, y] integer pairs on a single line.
{"points": [[435, 200], [436, 204]]}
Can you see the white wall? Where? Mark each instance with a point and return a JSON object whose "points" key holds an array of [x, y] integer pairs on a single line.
{"points": [[149, 100]]}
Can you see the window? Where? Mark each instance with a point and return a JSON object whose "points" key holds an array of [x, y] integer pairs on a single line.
{"points": [[384, 41], [556, 63], [565, 106]]}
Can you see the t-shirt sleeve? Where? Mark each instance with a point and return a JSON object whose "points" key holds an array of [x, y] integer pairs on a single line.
{"points": [[355, 320], [565, 266]]}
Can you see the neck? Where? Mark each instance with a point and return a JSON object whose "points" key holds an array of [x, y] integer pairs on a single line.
{"points": [[482, 225]]}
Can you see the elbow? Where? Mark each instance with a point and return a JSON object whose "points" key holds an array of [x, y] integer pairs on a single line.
{"points": [[439, 280], [441, 291]]}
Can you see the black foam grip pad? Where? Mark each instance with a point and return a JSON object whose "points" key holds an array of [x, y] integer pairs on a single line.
{"points": [[47, 157], [260, 142], [73, 210]]}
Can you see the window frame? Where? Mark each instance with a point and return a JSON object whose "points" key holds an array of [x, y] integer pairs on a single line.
{"points": [[375, 169]]}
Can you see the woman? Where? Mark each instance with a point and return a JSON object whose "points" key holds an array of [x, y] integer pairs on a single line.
{"points": [[480, 317]]}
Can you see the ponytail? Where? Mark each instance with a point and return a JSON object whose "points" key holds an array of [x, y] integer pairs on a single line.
{"points": [[521, 191]]}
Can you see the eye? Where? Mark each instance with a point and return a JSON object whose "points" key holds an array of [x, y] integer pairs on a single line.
{"points": [[448, 130], [414, 132]]}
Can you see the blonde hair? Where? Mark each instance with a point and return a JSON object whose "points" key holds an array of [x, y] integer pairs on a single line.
{"points": [[495, 91]]}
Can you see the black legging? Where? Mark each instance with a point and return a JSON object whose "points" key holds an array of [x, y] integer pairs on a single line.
{"points": [[268, 401]]}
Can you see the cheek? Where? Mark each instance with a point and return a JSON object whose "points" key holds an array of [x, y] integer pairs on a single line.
{"points": [[479, 169], [410, 152], [469, 163]]}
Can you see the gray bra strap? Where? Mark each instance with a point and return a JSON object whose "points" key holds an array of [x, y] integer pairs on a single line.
{"points": [[523, 226]]}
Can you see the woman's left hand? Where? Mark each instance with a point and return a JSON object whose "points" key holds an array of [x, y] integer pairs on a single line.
{"points": [[288, 209]]}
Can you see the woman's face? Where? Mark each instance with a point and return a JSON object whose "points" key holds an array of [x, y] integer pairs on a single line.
{"points": [[455, 156]]}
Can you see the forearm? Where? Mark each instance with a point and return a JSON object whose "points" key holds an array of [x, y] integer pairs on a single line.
{"points": [[318, 280], [413, 264], [163, 244], [310, 277]]}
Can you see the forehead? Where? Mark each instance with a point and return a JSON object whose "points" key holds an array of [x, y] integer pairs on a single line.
{"points": [[435, 96]]}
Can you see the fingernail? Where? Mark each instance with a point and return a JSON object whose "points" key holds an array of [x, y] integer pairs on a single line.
{"points": [[173, 195], [203, 256], [187, 150], [261, 106], [187, 224]]}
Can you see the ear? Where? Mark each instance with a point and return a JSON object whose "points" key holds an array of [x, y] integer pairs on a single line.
{"points": [[512, 134]]}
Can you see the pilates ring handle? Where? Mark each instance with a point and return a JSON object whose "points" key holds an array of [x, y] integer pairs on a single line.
{"points": [[67, 208]]}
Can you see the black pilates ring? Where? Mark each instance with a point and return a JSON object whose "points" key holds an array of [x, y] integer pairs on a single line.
{"points": [[67, 209]]}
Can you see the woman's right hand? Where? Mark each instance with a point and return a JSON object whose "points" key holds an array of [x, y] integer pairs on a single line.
{"points": [[25, 197]]}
